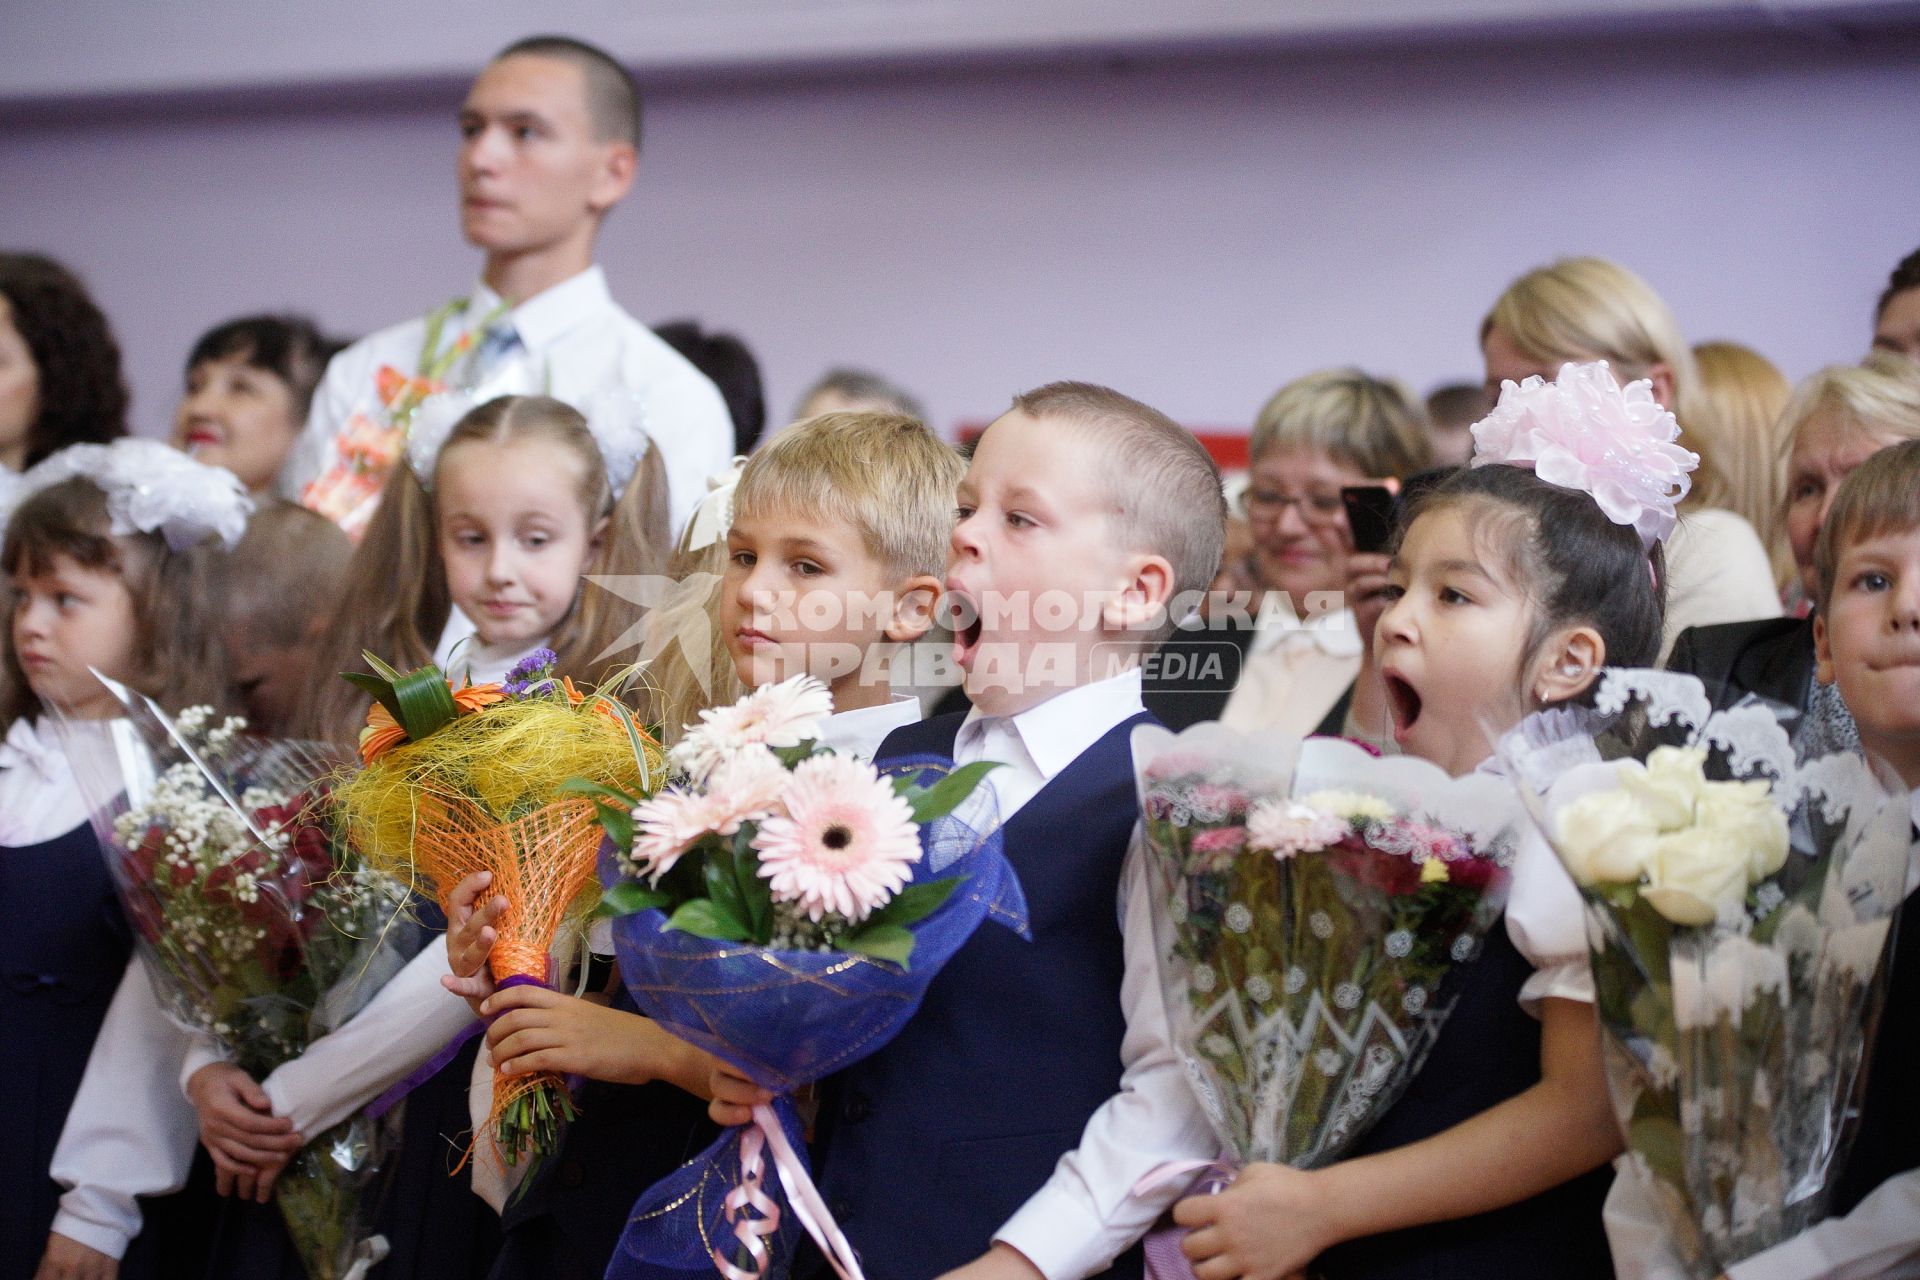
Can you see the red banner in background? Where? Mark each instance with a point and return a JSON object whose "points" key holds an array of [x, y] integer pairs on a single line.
{"points": [[1228, 447]]}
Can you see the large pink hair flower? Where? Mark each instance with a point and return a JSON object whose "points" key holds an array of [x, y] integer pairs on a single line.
{"points": [[846, 843], [1585, 431]]}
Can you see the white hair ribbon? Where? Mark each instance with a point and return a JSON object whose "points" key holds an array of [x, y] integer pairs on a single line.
{"points": [[713, 518], [150, 487], [616, 418]]}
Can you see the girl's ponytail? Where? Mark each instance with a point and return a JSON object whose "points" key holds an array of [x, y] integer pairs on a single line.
{"points": [[395, 606]]}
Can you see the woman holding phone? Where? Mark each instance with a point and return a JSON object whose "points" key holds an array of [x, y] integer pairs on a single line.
{"points": [[1328, 432]]}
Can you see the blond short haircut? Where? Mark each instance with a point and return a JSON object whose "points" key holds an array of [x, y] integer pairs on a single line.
{"points": [[886, 473], [1165, 488], [1741, 447], [1881, 496], [1881, 394], [1593, 309], [1371, 424]]}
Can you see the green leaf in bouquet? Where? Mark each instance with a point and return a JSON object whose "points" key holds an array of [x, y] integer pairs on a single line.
{"points": [[378, 688], [723, 889], [617, 823], [916, 902], [419, 701], [888, 942], [612, 806], [791, 756], [1659, 1139], [634, 736], [944, 796], [755, 890], [628, 898], [598, 790], [704, 919]]}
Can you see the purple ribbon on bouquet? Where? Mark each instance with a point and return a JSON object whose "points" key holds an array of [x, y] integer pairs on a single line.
{"points": [[1161, 1248], [447, 1053]]}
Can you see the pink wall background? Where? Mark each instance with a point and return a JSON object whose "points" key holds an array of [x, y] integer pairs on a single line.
{"points": [[1195, 232]]}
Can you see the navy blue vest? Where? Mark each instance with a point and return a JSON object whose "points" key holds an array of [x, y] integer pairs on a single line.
{"points": [[63, 949], [928, 1147], [1488, 1051]]}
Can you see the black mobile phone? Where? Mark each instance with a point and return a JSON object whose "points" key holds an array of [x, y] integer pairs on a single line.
{"points": [[1371, 510]]}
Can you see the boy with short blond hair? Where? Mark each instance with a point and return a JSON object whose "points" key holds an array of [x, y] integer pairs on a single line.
{"points": [[834, 554], [1003, 1131]]}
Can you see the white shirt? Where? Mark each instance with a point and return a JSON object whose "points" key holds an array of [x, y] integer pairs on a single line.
{"points": [[131, 1131], [861, 731], [1293, 675], [43, 792], [575, 342], [1087, 1214]]}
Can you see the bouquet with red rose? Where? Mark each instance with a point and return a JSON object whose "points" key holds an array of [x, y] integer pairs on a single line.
{"points": [[1310, 901], [259, 928]]}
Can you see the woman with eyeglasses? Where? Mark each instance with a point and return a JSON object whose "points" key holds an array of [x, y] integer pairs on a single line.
{"points": [[1317, 435]]}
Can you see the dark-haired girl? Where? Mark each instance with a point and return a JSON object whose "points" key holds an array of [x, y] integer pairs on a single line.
{"points": [[1509, 594], [249, 384]]}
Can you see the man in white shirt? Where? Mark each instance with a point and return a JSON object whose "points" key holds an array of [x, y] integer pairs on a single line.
{"points": [[550, 138]]}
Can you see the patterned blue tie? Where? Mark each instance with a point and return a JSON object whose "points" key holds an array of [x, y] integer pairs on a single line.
{"points": [[499, 342]]}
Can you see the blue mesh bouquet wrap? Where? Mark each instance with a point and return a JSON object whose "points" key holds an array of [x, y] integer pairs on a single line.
{"points": [[785, 908]]}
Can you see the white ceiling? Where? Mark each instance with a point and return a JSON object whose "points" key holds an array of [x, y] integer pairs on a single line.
{"points": [[79, 49]]}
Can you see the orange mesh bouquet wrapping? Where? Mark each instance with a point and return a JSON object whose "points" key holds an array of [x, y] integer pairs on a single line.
{"points": [[490, 778]]}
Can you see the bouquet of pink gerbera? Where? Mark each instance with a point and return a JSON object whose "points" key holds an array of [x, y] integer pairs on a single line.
{"points": [[784, 908]]}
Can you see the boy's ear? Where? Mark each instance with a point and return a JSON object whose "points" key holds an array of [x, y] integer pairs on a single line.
{"points": [[1141, 602], [1822, 650], [1568, 663], [914, 602], [621, 163]]}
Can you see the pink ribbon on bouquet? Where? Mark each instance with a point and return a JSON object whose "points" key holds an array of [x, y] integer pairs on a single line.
{"points": [[766, 1132], [1161, 1248]]}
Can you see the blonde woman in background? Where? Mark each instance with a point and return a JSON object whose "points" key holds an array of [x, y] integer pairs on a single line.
{"points": [[1581, 309], [1743, 447], [1837, 419]]}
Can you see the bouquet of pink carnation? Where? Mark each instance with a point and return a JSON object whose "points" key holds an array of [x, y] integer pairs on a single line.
{"points": [[784, 908], [1310, 901], [259, 928], [1739, 902]]}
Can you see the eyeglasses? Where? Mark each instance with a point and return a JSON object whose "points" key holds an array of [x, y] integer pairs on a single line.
{"points": [[1315, 508]]}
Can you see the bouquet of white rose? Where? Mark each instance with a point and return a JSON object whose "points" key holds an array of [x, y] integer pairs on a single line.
{"points": [[1739, 903]]}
